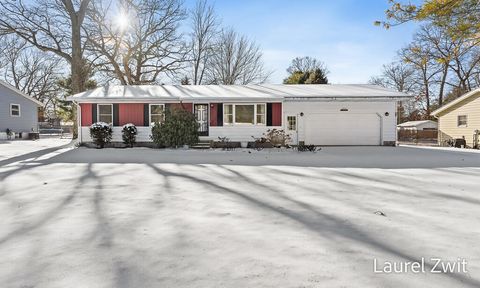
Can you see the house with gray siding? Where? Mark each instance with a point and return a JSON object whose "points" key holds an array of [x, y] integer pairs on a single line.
{"points": [[18, 111]]}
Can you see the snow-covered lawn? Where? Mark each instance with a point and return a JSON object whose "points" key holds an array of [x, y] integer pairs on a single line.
{"points": [[152, 218], [10, 149]]}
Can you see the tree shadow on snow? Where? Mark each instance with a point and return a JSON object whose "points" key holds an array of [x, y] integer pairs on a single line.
{"points": [[321, 223]]}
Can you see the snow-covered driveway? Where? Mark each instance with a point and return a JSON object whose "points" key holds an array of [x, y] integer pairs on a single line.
{"points": [[153, 218]]}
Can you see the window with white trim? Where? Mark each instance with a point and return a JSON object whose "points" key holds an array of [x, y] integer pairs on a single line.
{"points": [[157, 114], [244, 114], [292, 123], [228, 114], [15, 110], [105, 113], [261, 114], [462, 120]]}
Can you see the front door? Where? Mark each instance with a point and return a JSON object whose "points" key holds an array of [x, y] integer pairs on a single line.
{"points": [[201, 113]]}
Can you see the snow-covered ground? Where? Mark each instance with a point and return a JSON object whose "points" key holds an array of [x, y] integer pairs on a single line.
{"points": [[163, 218], [10, 149]]}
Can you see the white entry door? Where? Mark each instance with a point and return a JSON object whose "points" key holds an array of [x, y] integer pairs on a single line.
{"points": [[201, 113], [342, 129]]}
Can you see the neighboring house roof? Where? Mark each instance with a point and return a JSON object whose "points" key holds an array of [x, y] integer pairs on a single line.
{"points": [[415, 123], [237, 92], [18, 92], [460, 99]]}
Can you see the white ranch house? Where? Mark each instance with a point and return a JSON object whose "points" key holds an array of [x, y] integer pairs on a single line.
{"points": [[313, 114]]}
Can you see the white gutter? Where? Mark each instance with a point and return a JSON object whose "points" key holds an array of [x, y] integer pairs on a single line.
{"points": [[353, 99]]}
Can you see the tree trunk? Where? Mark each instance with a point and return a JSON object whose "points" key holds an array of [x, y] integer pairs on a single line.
{"points": [[78, 65], [442, 85]]}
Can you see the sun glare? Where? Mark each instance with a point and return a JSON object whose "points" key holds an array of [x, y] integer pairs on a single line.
{"points": [[121, 22]]}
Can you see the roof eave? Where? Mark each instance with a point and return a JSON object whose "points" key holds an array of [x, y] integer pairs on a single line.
{"points": [[18, 92], [454, 102]]}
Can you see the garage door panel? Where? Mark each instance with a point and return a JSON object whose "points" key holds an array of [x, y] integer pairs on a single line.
{"points": [[342, 129]]}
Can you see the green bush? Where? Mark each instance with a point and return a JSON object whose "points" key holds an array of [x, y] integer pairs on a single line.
{"points": [[101, 133], [129, 134], [179, 128]]}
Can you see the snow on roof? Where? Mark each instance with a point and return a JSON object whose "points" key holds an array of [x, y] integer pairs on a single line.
{"points": [[456, 101], [415, 123], [227, 92], [17, 91]]}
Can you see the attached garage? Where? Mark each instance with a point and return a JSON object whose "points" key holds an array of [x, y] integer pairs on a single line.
{"points": [[343, 129]]}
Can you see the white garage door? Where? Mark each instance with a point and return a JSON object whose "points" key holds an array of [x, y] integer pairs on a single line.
{"points": [[342, 129]]}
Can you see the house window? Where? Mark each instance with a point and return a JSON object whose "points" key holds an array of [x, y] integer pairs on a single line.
{"points": [[462, 120], [292, 123], [261, 114], [157, 114], [228, 114], [15, 110], [244, 114], [105, 113]]}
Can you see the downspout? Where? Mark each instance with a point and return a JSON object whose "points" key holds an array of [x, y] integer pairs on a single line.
{"points": [[79, 121], [381, 129]]}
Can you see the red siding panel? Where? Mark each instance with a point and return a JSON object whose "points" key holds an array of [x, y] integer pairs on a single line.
{"points": [[86, 114], [188, 106], [276, 114], [184, 106], [213, 114], [130, 113]]}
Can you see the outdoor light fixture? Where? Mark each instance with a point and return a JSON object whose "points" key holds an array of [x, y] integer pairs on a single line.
{"points": [[301, 114], [344, 110], [386, 113]]}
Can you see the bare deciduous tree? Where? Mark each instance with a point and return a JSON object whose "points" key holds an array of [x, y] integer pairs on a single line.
{"points": [[145, 46], [417, 54], [30, 70], [397, 76], [51, 26], [204, 30], [401, 77], [236, 60]]}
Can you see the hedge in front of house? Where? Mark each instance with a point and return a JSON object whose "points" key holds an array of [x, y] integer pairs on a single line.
{"points": [[129, 134], [179, 128], [101, 133]]}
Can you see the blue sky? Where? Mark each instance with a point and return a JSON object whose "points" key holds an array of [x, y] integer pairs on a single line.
{"points": [[338, 32]]}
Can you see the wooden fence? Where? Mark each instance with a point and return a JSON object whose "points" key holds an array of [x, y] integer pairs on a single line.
{"points": [[427, 136]]}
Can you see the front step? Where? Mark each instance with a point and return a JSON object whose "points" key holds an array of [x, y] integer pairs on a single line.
{"points": [[201, 145]]}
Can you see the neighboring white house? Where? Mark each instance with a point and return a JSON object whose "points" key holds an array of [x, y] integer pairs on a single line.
{"points": [[18, 111], [313, 114], [419, 125]]}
